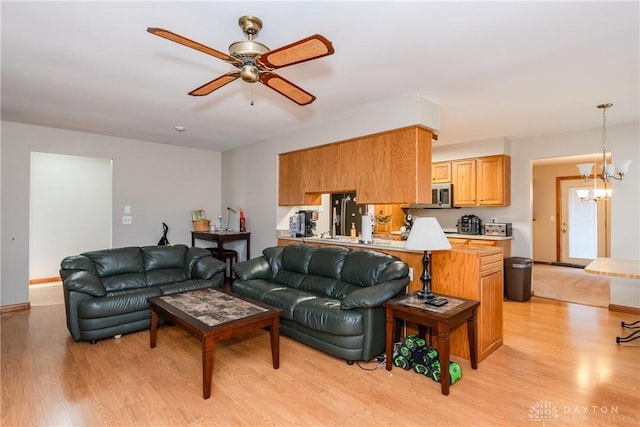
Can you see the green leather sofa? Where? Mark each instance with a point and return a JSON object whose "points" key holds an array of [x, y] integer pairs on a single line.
{"points": [[331, 297], [106, 291]]}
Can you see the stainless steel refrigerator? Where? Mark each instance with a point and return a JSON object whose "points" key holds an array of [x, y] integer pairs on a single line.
{"points": [[346, 211]]}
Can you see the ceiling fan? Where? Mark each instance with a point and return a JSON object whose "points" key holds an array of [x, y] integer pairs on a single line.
{"points": [[255, 62]]}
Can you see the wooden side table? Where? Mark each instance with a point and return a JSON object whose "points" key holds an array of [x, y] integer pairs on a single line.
{"points": [[442, 319]]}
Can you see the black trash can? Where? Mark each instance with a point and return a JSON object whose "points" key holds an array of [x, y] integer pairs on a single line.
{"points": [[517, 278]]}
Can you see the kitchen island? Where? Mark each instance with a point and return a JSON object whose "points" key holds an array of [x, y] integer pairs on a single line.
{"points": [[471, 272]]}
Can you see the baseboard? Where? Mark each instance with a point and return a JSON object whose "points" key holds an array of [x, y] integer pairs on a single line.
{"points": [[560, 264], [624, 309], [45, 280], [15, 307]]}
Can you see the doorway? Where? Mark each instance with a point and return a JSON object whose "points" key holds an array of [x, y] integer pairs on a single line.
{"points": [[582, 232], [70, 210], [553, 276]]}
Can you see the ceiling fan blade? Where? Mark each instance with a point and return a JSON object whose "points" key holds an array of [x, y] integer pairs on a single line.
{"points": [[312, 47], [286, 88], [194, 45], [214, 84]]}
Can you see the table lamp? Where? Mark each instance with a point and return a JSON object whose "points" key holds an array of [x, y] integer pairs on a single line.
{"points": [[426, 235]]}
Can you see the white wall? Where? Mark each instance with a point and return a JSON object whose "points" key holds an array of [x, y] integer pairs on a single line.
{"points": [[161, 183], [61, 223], [254, 171]]}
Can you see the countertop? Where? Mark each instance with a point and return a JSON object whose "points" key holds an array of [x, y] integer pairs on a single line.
{"points": [[628, 268], [384, 244], [477, 236]]}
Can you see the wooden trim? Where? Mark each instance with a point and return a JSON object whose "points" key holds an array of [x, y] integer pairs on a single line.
{"points": [[45, 280], [15, 307], [624, 309]]}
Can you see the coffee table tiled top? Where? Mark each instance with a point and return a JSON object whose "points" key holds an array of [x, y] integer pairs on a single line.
{"points": [[212, 307]]}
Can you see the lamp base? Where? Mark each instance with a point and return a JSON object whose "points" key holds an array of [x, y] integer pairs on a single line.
{"points": [[425, 294]]}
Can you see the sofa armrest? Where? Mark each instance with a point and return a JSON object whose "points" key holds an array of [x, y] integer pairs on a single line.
{"points": [[374, 296], [256, 268], [85, 282], [207, 267]]}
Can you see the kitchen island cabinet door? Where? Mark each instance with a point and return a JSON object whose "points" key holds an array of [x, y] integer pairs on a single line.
{"points": [[490, 326]]}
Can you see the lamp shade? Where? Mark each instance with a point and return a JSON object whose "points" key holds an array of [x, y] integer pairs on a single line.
{"points": [[624, 166], [585, 168], [427, 235]]}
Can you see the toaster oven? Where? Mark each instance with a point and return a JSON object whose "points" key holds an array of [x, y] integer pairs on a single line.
{"points": [[498, 229]]}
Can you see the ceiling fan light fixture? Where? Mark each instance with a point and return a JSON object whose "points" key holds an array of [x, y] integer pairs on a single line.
{"points": [[249, 73]]}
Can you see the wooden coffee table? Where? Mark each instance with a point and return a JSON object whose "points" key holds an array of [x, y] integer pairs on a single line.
{"points": [[212, 315]]}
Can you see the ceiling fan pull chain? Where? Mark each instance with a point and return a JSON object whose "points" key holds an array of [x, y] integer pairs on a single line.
{"points": [[251, 95]]}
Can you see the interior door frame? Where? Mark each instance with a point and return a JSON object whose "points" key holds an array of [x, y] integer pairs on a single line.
{"points": [[559, 212]]}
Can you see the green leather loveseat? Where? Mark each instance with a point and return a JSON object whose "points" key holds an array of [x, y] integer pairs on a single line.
{"points": [[331, 297], [106, 291]]}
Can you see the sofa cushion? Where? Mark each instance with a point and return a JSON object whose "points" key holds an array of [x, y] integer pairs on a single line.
{"points": [[156, 257], [163, 276], [273, 256], [296, 258], [256, 288], [325, 314], [320, 285], [291, 279], [120, 268], [183, 286], [327, 262], [109, 262], [286, 299], [363, 268], [116, 303], [125, 281]]}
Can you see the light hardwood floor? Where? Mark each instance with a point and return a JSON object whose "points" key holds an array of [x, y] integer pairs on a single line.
{"points": [[570, 285], [559, 364]]}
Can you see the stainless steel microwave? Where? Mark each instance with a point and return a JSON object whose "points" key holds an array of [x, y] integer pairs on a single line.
{"points": [[441, 197]]}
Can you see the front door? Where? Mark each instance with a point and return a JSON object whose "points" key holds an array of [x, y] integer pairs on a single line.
{"points": [[583, 227]]}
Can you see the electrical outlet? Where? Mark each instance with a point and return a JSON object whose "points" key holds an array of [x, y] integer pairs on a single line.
{"points": [[410, 273], [494, 220], [127, 219]]}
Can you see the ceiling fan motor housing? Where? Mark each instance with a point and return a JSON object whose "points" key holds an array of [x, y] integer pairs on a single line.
{"points": [[249, 73]]}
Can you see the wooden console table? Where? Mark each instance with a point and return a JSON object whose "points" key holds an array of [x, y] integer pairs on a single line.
{"points": [[616, 267], [223, 236]]}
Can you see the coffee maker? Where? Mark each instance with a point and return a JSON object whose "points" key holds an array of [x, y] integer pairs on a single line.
{"points": [[306, 223]]}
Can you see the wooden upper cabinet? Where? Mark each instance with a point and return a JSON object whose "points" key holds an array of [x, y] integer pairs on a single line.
{"points": [[494, 181], [290, 191], [389, 167], [441, 172], [463, 176], [483, 181]]}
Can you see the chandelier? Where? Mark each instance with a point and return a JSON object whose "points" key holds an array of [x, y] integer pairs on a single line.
{"points": [[608, 170]]}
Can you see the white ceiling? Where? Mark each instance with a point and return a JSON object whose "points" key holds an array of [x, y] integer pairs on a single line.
{"points": [[514, 69]]}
